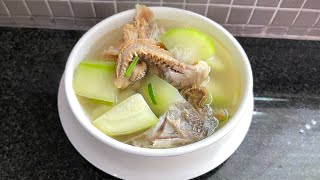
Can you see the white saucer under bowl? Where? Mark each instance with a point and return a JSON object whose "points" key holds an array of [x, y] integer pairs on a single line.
{"points": [[128, 166]]}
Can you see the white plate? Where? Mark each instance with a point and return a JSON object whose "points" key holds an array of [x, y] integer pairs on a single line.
{"points": [[128, 166]]}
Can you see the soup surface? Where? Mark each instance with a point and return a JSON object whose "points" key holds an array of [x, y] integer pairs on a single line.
{"points": [[158, 105]]}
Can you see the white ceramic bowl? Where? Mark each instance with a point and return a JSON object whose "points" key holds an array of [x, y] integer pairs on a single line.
{"points": [[98, 31]]}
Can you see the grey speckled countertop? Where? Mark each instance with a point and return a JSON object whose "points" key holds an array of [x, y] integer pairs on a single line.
{"points": [[283, 141]]}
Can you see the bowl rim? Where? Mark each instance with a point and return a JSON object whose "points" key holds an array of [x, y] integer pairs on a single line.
{"points": [[248, 87]]}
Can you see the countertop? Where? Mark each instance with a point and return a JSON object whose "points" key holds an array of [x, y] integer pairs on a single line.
{"points": [[283, 141]]}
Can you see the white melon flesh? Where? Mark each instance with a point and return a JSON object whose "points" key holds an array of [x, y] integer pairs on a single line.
{"points": [[95, 80], [130, 116]]}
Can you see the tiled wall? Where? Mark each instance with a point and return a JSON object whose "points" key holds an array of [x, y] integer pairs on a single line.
{"points": [[297, 19]]}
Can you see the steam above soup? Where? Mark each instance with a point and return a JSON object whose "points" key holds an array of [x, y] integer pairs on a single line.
{"points": [[156, 85]]}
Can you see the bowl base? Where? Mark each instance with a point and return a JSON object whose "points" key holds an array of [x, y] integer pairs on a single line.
{"points": [[128, 166]]}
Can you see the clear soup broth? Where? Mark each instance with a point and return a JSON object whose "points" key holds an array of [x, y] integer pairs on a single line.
{"points": [[223, 84]]}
